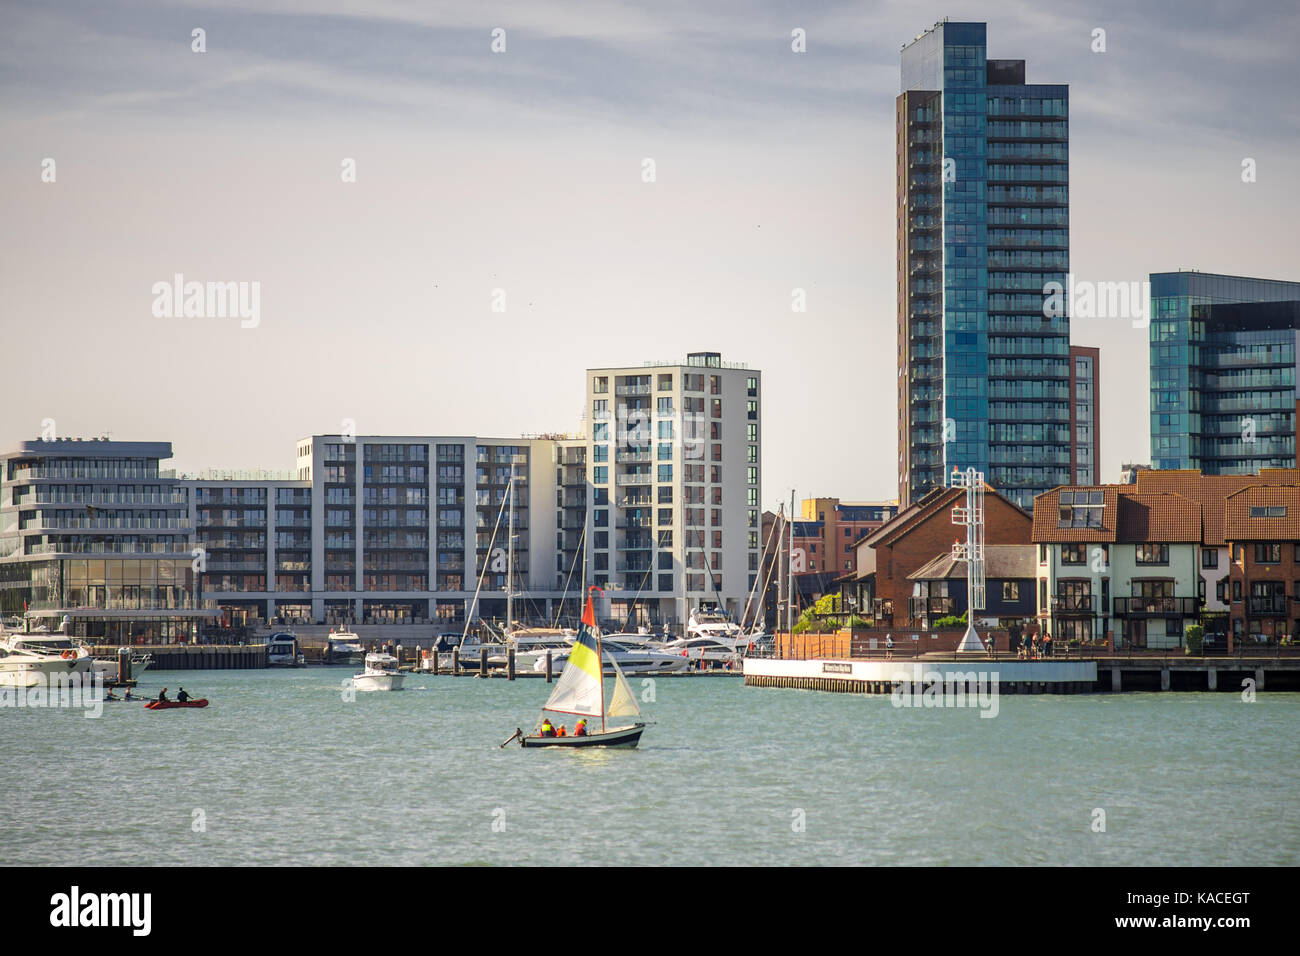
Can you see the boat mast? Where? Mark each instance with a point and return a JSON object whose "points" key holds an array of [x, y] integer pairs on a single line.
{"points": [[510, 551], [600, 661], [789, 577]]}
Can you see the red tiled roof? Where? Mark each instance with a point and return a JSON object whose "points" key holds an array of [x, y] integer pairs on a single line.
{"points": [[1127, 517], [1211, 491], [1240, 526]]}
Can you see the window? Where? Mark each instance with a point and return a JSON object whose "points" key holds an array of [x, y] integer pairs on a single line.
{"points": [[1209, 558], [665, 451], [600, 432], [665, 473], [1080, 509], [1152, 554], [1270, 511], [665, 383], [1074, 554], [600, 385], [1011, 590], [1267, 553], [665, 406], [665, 582], [600, 474], [1236, 591], [665, 494], [666, 431], [666, 516], [751, 433]]}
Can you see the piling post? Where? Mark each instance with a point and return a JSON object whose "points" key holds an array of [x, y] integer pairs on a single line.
{"points": [[1259, 678], [1164, 678], [1212, 678], [455, 661], [482, 661], [548, 666], [123, 664], [1116, 685], [510, 664]]}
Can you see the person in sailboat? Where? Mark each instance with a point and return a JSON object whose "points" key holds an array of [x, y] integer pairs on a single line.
{"points": [[580, 729], [547, 729]]}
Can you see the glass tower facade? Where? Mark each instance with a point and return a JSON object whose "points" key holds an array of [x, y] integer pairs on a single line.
{"points": [[983, 226], [1223, 372]]}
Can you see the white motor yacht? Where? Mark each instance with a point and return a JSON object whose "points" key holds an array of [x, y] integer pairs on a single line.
{"points": [[715, 623], [344, 647], [708, 649], [31, 659], [632, 657], [381, 673]]}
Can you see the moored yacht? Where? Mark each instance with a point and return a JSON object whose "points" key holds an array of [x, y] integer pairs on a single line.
{"points": [[632, 657], [282, 650], [344, 647], [31, 659], [381, 673]]}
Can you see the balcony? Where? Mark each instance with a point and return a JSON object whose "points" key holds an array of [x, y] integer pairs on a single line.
{"points": [[637, 544], [1074, 604], [634, 523], [624, 455], [632, 390], [635, 501], [635, 479], [1270, 606], [1157, 607]]}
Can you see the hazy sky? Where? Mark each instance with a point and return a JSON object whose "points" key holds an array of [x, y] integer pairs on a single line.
{"points": [[522, 171]]}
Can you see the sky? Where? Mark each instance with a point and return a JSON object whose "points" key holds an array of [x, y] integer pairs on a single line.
{"points": [[523, 171]]}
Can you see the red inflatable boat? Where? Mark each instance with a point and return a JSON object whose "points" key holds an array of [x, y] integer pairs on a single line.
{"points": [[169, 704]]}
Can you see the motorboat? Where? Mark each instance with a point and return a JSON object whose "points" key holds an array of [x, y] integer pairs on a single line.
{"points": [[709, 650], [381, 673], [282, 650], [631, 658], [344, 647], [709, 621], [30, 659]]}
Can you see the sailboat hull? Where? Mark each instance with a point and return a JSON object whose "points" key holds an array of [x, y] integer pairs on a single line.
{"points": [[622, 737]]}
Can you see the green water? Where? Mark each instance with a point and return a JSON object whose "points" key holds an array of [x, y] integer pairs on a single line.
{"points": [[285, 771]]}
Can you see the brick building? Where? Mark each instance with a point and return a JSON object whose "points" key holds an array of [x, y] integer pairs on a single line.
{"points": [[916, 536]]}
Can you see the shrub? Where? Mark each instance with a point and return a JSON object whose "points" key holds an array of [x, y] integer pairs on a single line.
{"points": [[1194, 638]]}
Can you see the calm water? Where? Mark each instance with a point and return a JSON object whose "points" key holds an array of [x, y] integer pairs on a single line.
{"points": [[286, 772]]}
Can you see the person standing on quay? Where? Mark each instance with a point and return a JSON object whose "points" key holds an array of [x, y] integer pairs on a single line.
{"points": [[889, 646]]}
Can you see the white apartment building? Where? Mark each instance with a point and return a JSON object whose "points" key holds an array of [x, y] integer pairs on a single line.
{"points": [[655, 500], [672, 457]]}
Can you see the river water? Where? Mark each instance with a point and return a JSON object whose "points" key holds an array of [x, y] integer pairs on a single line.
{"points": [[282, 769]]}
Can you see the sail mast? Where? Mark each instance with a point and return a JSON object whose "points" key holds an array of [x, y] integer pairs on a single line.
{"points": [[510, 551]]}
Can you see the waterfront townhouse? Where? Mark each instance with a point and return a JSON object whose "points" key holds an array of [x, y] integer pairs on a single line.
{"points": [[1262, 526], [1118, 565]]}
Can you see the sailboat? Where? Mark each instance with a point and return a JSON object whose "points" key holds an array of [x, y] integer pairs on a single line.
{"points": [[580, 691]]}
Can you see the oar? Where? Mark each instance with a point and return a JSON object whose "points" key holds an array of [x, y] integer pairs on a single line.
{"points": [[518, 733]]}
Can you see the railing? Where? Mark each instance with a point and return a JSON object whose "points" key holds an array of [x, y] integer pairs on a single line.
{"points": [[1156, 606], [635, 479], [1074, 603], [109, 524], [109, 499], [101, 547], [1266, 605]]}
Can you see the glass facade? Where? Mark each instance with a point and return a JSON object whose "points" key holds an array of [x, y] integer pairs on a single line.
{"points": [[1223, 372], [984, 223]]}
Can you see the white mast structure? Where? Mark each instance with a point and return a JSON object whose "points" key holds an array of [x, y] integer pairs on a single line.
{"points": [[971, 516]]}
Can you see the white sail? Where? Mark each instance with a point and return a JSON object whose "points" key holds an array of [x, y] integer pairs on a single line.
{"points": [[578, 691], [622, 703]]}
